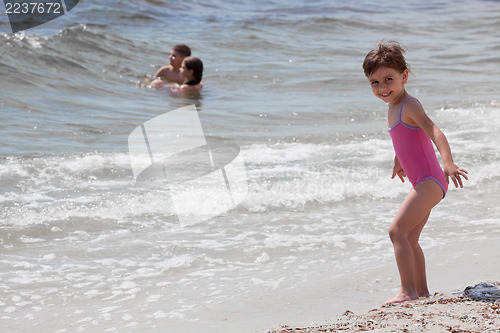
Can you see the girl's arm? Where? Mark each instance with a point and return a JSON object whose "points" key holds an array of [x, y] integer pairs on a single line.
{"points": [[451, 170], [398, 170]]}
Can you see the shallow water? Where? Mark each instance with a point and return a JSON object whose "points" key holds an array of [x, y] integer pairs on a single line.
{"points": [[83, 247]]}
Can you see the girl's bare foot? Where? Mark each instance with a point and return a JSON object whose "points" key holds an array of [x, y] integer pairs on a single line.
{"points": [[399, 298], [423, 292]]}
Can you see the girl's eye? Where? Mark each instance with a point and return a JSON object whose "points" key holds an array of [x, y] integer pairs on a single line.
{"points": [[389, 79], [374, 83]]}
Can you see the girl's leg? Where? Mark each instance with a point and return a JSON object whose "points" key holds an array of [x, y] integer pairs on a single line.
{"points": [[411, 217], [419, 259]]}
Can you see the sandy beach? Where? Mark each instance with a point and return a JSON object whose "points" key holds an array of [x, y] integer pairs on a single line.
{"points": [[477, 309]]}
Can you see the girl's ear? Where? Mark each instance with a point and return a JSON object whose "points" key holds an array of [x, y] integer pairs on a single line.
{"points": [[405, 76]]}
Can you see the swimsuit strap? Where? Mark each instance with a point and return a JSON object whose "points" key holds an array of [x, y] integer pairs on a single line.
{"points": [[401, 110]]}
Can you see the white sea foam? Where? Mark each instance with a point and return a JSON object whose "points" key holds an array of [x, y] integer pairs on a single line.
{"points": [[100, 186]]}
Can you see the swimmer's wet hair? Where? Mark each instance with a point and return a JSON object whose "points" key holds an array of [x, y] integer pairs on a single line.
{"points": [[196, 65], [182, 49], [386, 54]]}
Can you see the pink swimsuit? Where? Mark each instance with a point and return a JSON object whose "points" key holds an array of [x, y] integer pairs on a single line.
{"points": [[416, 154]]}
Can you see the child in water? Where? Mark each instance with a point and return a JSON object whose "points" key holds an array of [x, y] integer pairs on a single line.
{"points": [[191, 71], [411, 131], [171, 72]]}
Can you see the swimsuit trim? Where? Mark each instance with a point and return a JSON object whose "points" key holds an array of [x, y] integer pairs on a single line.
{"points": [[434, 179], [400, 121]]}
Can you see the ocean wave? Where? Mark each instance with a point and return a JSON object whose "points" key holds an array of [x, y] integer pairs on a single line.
{"points": [[280, 176], [80, 50]]}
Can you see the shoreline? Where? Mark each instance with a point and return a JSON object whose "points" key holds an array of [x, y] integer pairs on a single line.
{"points": [[476, 309]]}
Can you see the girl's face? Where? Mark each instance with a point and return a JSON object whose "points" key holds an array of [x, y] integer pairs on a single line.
{"points": [[388, 84], [187, 74]]}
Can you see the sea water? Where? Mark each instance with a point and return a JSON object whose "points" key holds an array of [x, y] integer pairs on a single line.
{"points": [[84, 247]]}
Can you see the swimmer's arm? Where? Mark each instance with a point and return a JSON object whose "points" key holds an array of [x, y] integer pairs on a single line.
{"points": [[398, 170], [162, 72], [418, 115]]}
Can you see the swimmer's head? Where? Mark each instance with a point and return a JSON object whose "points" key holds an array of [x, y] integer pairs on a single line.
{"points": [[182, 49], [386, 54], [193, 69], [179, 52]]}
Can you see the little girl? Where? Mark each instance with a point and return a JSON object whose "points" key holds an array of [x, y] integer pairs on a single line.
{"points": [[411, 131]]}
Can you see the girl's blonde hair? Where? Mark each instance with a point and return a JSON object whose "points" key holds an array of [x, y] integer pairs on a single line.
{"points": [[386, 54]]}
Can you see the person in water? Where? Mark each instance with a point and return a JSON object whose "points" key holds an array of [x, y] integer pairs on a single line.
{"points": [[412, 133], [192, 73], [171, 73]]}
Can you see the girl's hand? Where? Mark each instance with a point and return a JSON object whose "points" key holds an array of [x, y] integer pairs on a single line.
{"points": [[398, 170], [452, 171]]}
